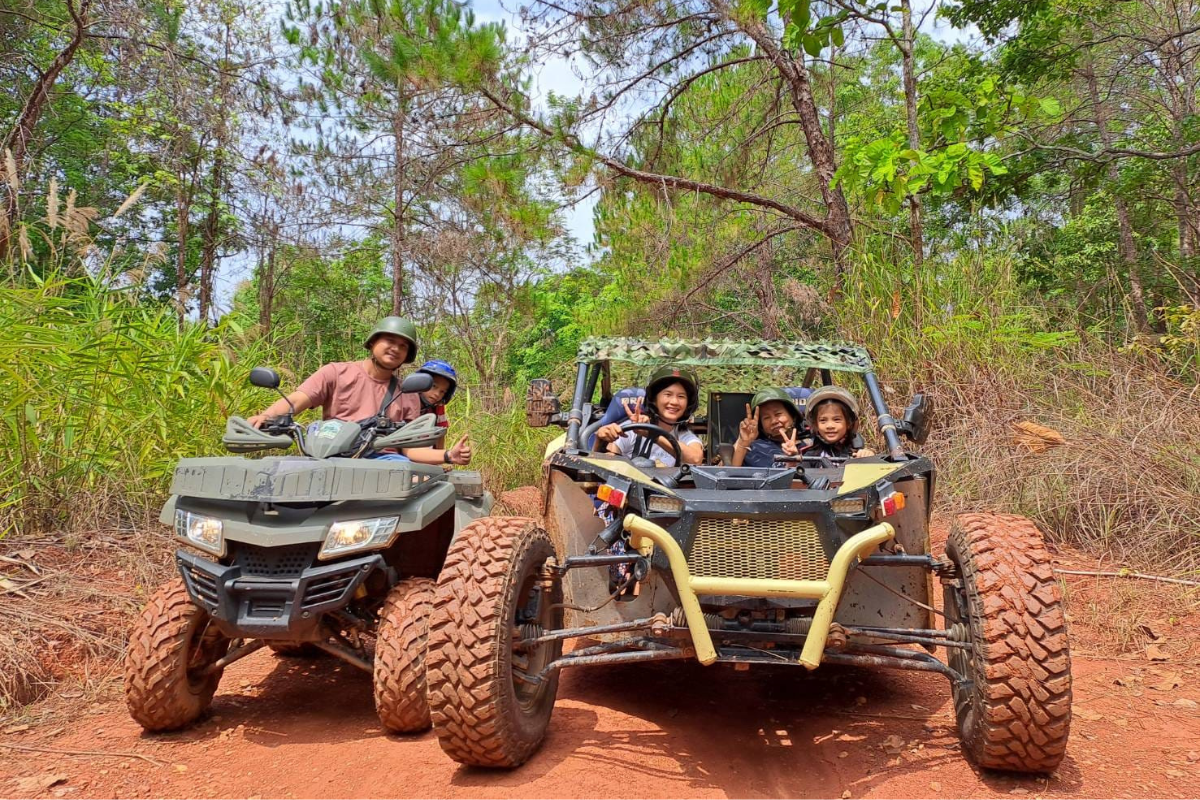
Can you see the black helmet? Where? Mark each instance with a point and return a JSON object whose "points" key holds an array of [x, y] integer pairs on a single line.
{"points": [[666, 375], [397, 326]]}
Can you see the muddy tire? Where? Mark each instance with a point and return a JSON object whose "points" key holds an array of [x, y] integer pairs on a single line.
{"points": [[1016, 713], [488, 593], [171, 642], [400, 657]]}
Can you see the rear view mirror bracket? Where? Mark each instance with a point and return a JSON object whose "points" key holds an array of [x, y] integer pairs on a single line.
{"points": [[917, 420], [267, 378], [542, 407]]}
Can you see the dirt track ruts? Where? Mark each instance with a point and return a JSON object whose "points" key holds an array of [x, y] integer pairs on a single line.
{"points": [[289, 728]]}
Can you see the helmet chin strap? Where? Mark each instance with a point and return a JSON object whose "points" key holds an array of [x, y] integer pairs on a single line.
{"points": [[380, 366]]}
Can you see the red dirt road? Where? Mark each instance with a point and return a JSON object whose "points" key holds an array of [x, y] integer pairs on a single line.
{"points": [[287, 728]]}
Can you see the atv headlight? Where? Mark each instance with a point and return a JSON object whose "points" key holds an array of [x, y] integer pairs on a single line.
{"points": [[206, 533], [359, 534]]}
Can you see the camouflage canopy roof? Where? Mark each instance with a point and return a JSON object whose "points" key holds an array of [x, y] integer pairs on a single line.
{"points": [[726, 352]]}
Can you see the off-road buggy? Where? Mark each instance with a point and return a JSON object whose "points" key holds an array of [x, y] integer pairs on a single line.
{"points": [[322, 552], [809, 562]]}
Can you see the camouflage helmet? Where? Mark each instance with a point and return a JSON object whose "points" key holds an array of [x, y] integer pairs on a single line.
{"points": [[668, 374], [774, 395], [831, 393], [397, 326]]}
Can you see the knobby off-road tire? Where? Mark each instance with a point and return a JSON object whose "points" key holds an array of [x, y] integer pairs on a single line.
{"points": [[400, 657], [172, 640], [1017, 714], [487, 590]]}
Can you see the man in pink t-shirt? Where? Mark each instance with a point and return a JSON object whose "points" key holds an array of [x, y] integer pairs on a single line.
{"points": [[355, 390]]}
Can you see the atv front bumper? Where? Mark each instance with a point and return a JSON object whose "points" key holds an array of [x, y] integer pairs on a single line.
{"points": [[646, 535], [259, 607]]}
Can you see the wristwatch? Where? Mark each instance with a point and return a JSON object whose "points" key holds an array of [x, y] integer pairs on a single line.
{"points": [[446, 457]]}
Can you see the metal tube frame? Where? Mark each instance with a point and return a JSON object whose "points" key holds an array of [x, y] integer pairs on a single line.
{"points": [[926, 664], [237, 654], [346, 655], [573, 633], [575, 416], [887, 424], [645, 535]]}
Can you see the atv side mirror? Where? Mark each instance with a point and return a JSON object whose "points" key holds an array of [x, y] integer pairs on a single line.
{"points": [[417, 382], [264, 378], [917, 419], [541, 406]]}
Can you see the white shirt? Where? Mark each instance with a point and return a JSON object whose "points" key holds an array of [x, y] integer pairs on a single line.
{"points": [[627, 441]]}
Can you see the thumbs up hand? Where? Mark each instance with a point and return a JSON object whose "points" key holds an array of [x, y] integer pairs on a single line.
{"points": [[460, 453]]}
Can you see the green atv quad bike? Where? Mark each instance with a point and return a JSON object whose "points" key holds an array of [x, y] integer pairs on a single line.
{"points": [[810, 562], [323, 552]]}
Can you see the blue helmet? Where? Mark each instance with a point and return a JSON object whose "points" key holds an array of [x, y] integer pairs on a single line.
{"points": [[442, 369]]}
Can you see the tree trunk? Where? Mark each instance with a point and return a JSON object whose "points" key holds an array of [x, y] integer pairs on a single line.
{"points": [[212, 233], [1183, 210], [915, 225], [19, 137], [183, 208], [1126, 247], [266, 280], [822, 156], [398, 215], [839, 227]]}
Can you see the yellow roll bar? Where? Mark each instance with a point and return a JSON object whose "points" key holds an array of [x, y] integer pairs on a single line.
{"points": [[827, 593]]}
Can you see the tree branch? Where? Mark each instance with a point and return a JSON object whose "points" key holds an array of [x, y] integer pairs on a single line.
{"points": [[667, 181]]}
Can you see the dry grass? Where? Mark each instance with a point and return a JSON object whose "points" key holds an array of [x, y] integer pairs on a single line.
{"points": [[1123, 617], [1126, 482], [67, 620]]}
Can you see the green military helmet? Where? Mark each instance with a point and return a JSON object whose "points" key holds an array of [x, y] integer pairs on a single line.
{"points": [[831, 393], [670, 374], [774, 395], [397, 326]]}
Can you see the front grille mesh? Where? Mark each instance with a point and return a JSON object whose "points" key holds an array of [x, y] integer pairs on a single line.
{"points": [[276, 562], [763, 549]]}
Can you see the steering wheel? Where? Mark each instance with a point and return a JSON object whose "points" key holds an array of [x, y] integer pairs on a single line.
{"points": [[654, 431]]}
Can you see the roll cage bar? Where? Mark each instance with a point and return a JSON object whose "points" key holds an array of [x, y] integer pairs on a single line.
{"points": [[820, 359]]}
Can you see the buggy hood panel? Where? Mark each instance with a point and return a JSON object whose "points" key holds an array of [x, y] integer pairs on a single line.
{"points": [[627, 470], [289, 479], [726, 352], [861, 475]]}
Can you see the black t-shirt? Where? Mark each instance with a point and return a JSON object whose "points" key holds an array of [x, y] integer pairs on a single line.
{"points": [[819, 448], [762, 453]]}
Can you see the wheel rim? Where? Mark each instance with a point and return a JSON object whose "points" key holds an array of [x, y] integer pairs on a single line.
{"points": [[532, 617], [205, 645], [962, 660]]}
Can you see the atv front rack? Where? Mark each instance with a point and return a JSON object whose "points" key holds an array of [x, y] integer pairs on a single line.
{"points": [[646, 535]]}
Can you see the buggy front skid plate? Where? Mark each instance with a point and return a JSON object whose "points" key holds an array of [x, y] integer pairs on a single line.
{"points": [[646, 535]]}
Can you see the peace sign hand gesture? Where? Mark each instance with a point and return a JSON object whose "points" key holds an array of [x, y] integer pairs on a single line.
{"points": [[790, 448], [633, 409], [748, 428]]}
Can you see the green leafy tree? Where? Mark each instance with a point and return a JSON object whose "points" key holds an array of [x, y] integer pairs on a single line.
{"points": [[387, 67]]}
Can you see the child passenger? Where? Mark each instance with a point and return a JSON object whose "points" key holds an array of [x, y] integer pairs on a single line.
{"points": [[833, 419]]}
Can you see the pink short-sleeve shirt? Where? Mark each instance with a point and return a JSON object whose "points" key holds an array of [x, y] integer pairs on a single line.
{"points": [[344, 390]]}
